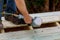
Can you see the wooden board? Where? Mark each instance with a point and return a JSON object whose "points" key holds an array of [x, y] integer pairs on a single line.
{"points": [[48, 17], [52, 33]]}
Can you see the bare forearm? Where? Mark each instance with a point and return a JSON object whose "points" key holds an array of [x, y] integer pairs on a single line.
{"points": [[21, 6]]}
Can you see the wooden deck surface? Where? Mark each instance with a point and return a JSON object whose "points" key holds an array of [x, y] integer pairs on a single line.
{"points": [[50, 33]]}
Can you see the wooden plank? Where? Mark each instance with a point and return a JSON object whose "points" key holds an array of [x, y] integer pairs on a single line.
{"points": [[56, 13], [27, 35], [52, 33], [48, 17]]}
